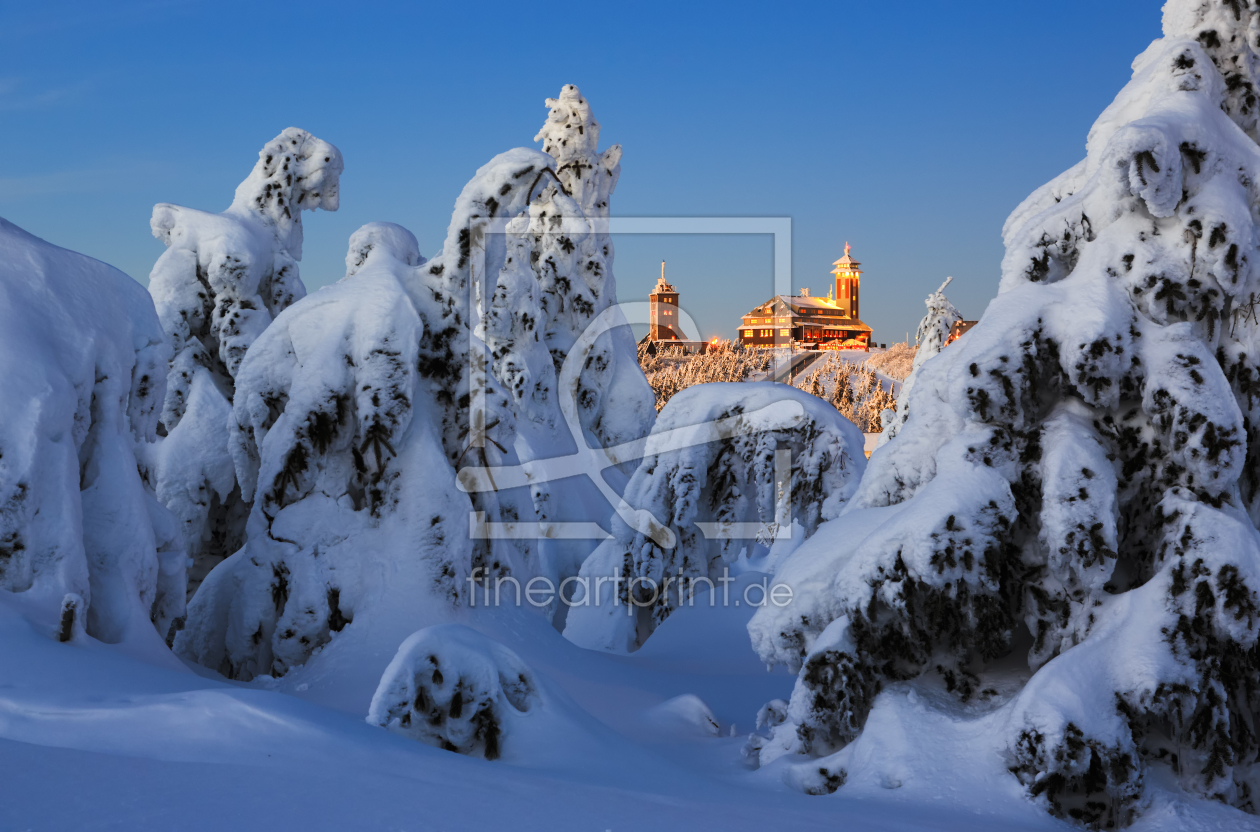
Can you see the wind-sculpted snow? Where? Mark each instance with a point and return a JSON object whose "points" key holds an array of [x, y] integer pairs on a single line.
{"points": [[82, 365], [1074, 477], [454, 688], [710, 477], [222, 280]]}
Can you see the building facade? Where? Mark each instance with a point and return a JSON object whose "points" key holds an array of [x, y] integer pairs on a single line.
{"points": [[812, 322]]}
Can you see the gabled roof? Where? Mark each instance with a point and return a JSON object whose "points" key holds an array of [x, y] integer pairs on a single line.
{"points": [[798, 303]]}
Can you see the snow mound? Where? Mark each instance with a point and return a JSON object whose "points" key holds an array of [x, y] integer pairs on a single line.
{"points": [[685, 715], [82, 374], [454, 688]]}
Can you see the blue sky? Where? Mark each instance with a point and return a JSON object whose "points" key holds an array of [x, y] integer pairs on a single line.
{"points": [[910, 129]]}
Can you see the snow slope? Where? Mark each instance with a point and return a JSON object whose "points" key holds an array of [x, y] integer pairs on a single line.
{"points": [[91, 738]]}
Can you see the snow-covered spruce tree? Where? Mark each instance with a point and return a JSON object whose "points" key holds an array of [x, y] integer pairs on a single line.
{"points": [[338, 442], [1072, 479], [930, 338], [82, 374], [222, 280], [711, 458], [355, 409], [573, 259]]}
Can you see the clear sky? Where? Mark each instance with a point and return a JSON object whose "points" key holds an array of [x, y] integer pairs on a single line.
{"points": [[910, 129]]}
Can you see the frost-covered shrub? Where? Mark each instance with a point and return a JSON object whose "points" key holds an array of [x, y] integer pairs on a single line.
{"points": [[896, 362], [712, 458], [82, 374], [930, 340], [1075, 477], [222, 280], [451, 687]]}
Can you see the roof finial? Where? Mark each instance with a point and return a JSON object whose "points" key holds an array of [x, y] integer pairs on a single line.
{"points": [[846, 249]]}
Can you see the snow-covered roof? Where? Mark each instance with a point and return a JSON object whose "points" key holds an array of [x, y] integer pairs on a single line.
{"points": [[847, 260], [798, 303]]}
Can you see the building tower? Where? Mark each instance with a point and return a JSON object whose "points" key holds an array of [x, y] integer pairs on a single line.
{"points": [[848, 275], [663, 311]]}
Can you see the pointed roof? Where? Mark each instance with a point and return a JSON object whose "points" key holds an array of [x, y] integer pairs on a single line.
{"points": [[847, 260]]}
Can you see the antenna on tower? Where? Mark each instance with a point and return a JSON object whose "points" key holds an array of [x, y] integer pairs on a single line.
{"points": [[662, 270]]}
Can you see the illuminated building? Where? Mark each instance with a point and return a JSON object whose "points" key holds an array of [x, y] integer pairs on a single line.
{"points": [[829, 323]]}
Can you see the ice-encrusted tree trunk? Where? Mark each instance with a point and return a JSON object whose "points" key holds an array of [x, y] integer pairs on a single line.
{"points": [[222, 280], [731, 471], [1074, 477], [82, 374], [930, 339]]}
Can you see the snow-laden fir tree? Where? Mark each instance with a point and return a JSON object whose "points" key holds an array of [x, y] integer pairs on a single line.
{"points": [[355, 409], [222, 280], [1074, 480], [82, 375], [759, 464], [337, 435], [930, 338]]}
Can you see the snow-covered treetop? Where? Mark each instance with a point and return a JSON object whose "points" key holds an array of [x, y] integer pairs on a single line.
{"points": [[571, 137], [296, 172], [398, 241], [935, 326], [571, 132]]}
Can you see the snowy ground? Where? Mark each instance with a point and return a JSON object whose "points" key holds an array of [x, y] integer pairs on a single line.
{"points": [[91, 738]]}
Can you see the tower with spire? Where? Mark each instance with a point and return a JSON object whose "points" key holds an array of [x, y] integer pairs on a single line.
{"points": [[848, 278], [663, 311], [829, 323]]}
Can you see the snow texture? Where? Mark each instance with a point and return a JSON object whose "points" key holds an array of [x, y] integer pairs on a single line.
{"points": [[82, 364], [1076, 478], [220, 283], [711, 458]]}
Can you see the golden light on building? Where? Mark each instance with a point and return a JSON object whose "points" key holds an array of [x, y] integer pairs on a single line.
{"points": [[848, 280], [663, 311], [829, 323]]}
